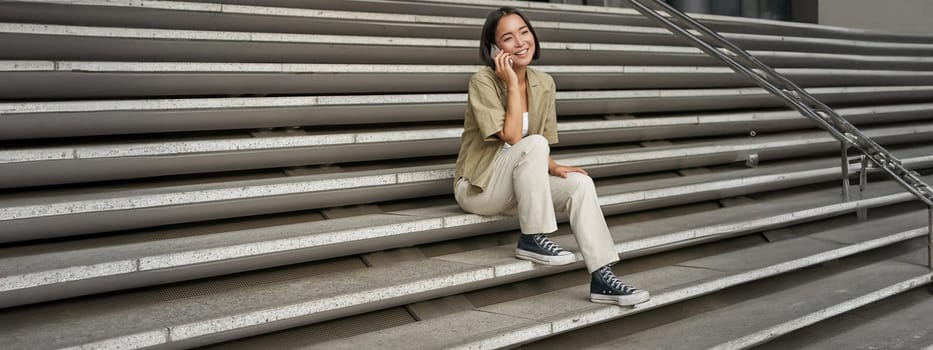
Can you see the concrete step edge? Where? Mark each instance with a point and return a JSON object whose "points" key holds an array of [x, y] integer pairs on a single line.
{"points": [[797, 318], [115, 161], [402, 19], [43, 215], [838, 309], [239, 38], [190, 255], [714, 21], [34, 120], [584, 318], [141, 105], [192, 331], [242, 144], [105, 67]]}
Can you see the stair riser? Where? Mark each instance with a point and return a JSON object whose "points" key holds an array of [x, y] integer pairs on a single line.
{"points": [[31, 121], [49, 172], [251, 20]]}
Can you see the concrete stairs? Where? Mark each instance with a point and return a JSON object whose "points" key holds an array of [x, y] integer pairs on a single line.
{"points": [[894, 323], [199, 173], [519, 321]]}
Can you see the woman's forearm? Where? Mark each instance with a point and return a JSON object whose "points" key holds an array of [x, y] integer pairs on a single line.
{"points": [[512, 127]]}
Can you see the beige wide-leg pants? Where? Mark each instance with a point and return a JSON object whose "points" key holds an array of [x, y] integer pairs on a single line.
{"points": [[520, 179]]}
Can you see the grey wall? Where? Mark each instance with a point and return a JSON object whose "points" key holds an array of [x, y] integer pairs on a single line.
{"points": [[899, 16]]}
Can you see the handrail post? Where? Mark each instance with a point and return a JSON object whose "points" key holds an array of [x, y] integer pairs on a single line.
{"points": [[862, 212], [930, 243], [845, 171]]}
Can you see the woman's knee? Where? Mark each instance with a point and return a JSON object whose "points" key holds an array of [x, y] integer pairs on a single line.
{"points": [[534, 143], [477, 204], [581, 182]]}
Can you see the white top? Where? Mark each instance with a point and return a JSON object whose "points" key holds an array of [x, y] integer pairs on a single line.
{"points": [[524, 130]]}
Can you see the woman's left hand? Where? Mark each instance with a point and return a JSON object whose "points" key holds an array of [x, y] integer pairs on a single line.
{"points": [[563, 170]]}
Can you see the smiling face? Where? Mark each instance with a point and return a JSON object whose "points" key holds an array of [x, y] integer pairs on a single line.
{"points": [[514, 37]]}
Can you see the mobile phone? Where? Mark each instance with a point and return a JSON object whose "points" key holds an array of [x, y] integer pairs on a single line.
{"points": [[494, 50]]}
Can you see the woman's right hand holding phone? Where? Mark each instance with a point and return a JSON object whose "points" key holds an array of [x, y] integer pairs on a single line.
{"points": [[504, 68]]}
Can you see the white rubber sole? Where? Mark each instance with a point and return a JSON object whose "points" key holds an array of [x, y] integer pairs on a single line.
{"points": [[552, 260], [622, 300]]}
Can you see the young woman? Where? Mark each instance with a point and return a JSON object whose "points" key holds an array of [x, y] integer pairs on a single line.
{"points": [[505, 165]]}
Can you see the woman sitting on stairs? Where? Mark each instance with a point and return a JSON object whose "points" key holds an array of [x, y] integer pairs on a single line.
{"points": [[504, 163]]}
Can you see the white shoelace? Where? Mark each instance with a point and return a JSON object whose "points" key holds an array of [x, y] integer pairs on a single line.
{"points": [[614, 281], [546, 243]]}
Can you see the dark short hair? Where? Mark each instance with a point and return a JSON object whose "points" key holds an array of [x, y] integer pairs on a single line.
{"points": [[488, 37]]}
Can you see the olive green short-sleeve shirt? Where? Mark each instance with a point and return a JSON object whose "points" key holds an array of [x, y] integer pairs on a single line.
{"points": [[485, 115]]}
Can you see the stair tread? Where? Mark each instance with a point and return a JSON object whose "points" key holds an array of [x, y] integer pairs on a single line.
{"points": [[102, 79], [120, 160], [386, 47], [17, 209], [72, 118], [609, 14], [389, 100], [741, 324], [906, 326], [562, 16], [68, 262], [234, 309], [458, 27], [241, 144], [335, 68], [48, 203], [569, 308], [192, 316]]}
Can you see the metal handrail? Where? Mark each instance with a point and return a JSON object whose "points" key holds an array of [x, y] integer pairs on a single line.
{"points": [[767, 78]]}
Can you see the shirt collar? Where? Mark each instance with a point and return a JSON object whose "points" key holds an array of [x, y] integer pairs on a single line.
{"points": [[532, 76]]}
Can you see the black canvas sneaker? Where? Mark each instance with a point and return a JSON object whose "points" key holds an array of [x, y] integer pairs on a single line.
{"points": [[540, 249], [606, 288]]}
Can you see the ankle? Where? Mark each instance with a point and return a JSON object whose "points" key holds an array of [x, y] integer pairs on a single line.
{"points": [[538, 248], [605, 269]]}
